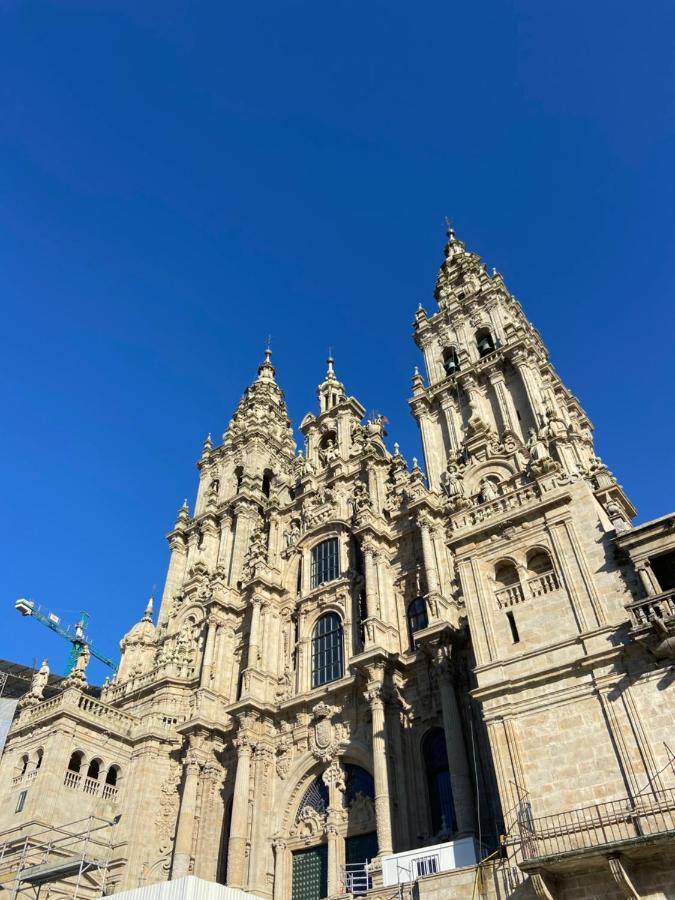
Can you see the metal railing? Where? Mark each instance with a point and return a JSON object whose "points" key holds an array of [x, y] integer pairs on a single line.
{"points": [[599, 825], [356, 878], [660, 606]]}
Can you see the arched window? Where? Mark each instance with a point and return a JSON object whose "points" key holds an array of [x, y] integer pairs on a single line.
{"points": [[357, 781], [327, 650], [268, 475], [325, 562], [417, 618], [541, 578], [94, 769], [38, 758], [238, 478], [112, 775], [75, 763], [438, 782], [484, 342], [450, 361], [315, 797], [507, 582], [538, 561], [23, 764]]}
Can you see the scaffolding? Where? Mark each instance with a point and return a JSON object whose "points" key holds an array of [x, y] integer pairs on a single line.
{"points": [[57, 854]]}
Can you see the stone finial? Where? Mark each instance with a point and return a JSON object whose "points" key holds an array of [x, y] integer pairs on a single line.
{"points": [[183, 515], [208, 446], [147, 615]]}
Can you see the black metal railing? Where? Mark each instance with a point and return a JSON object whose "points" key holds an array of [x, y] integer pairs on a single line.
{"points": [[599, 825]]}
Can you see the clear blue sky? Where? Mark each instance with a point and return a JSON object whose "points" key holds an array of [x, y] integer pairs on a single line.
{"points": [[178, 180]]}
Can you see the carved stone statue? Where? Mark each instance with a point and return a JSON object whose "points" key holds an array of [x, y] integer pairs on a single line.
{"points": [[451, 483], [537, 447], [330, 453], [37, 686], [488, 491], [78, 677]]}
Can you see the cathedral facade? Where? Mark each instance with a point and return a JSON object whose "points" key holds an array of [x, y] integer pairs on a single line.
{"points": [[358, 667]]}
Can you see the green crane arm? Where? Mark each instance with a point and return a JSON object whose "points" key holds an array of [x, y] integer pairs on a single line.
{"points": [[76, 637]]}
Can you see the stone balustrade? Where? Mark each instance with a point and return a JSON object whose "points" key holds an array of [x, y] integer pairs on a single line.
{"points": [[505, 504], [659, 606]]}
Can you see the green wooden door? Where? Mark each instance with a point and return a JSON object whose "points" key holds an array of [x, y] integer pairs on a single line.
{"points": [[310, 873]]}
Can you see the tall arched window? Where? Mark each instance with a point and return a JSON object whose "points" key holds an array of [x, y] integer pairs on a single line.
{"points": [[325, 562], [484, 342], [94, 769], [327, 650], [417, 618], [438, 782]]}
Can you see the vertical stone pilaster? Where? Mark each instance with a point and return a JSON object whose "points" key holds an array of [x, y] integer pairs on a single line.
{"points": [[209, 650], [279, 847]]}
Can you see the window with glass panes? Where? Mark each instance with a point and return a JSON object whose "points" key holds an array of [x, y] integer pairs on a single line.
{"points": [[417, 618], [327, 650], [325, 562]]}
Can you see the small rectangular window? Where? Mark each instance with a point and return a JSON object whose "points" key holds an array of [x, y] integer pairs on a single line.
{"points": [[325, 562], [426, 865], [21, 801], [513, 627]]}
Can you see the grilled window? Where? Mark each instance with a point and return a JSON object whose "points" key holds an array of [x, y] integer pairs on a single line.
{"points": [[325, 563], [327, 650]]}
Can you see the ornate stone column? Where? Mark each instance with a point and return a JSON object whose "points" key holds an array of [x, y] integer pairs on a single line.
{"points": [[372, 597], [647, 578], [520, 361], [430, 567], [506, 409], [460, 780], [209, 647], [175, 574], [279, 847], [183, 847], [236, 854], [254, 636], [334, 780], [375, 697]]}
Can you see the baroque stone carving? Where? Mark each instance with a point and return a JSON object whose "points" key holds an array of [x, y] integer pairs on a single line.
{"points": [[323, 737]]}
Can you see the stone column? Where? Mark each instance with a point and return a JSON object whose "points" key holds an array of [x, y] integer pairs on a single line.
{"points": [[207, 662], [247, 513], [175, 574], [183, 848], [460, 779], [254, 636], [279, 847], [520, 361], [430, 567], [450, 413], [372, 597], [375, 697], [649, 583], [236, 854], [334, 780], [506, 410], [383, 589]]}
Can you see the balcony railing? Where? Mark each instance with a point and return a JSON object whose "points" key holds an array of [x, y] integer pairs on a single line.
{"points": [[545, 583], [509, 596], [91, 786], [660, 606], [600, 825]]}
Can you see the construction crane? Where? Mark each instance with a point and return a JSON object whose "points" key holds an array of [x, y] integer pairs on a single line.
{"points": [[74, 633]]}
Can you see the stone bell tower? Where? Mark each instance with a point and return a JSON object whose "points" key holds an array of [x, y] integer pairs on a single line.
{"points": [[531, 513]]}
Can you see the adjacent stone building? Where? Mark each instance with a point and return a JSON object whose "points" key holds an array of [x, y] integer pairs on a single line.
{"points": [[355, 658]]}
